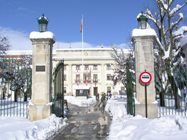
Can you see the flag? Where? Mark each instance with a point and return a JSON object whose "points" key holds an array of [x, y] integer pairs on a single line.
{"points": [[81, 25]]}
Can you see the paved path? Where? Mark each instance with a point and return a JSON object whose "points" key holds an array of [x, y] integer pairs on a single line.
{"points": [[85, 123]]}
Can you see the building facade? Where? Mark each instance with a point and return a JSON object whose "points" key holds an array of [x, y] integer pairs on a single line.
{"points": [[87, 71]]}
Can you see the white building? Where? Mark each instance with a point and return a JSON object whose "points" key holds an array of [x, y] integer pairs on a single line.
{"points": [[87, 71]]}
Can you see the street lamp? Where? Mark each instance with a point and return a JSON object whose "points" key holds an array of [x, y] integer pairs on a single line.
{"points": [[142, 21], [42, 21]]}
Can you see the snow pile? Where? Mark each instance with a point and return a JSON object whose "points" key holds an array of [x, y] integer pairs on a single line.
{"points": [[49, 127], [139, 128], [23, 129], [116, 107], [83, 102], [126, 127]]}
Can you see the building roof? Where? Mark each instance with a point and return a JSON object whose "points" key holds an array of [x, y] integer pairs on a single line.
{"points": [[29, 52]]}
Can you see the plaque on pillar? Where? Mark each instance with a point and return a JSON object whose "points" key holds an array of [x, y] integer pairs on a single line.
{"points": [[40, 68]]}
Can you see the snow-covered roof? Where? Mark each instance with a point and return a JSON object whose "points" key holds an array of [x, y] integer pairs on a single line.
{"points": [[41, 35], [143, 32], [183, 41], [19, 52], [78, 49]]}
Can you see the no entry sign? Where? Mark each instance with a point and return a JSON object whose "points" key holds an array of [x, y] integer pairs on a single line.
{"points": [[145, 78]]}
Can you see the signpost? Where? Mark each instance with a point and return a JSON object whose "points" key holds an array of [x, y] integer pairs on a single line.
{"points": [[145, 79]]}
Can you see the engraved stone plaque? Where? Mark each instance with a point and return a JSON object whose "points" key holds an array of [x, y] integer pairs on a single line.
{"points": [[40, 68]]}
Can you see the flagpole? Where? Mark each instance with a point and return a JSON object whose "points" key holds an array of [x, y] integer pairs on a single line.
{"points": [[82, 41]]}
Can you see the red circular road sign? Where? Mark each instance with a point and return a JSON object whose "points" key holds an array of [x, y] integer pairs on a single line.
{"points": [[145, 78]]}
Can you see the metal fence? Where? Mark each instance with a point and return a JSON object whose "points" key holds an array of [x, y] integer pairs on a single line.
{"points": [[169, 107], [15, 86]]}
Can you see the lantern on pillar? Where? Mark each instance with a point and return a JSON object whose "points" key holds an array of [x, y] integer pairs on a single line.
{"points": [[142, 21], [42, 21]]}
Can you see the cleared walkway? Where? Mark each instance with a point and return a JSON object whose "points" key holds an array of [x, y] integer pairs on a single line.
{"points": [[85, 123]]}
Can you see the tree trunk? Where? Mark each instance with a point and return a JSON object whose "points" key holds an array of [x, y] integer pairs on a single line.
{"points": [[3, 95], [16, 95], [160, 92], [175, 93], [162, 101], [25, 96]]}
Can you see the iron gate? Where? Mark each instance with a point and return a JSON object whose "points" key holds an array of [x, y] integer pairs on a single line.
{"points": [[15, 86], [58, 96]]}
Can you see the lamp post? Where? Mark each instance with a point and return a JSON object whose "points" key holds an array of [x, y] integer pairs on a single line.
{"points": [[142, 21], [42, 21]]}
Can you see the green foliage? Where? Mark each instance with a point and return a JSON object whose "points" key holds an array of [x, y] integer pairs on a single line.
{"points": [[130, 92]]}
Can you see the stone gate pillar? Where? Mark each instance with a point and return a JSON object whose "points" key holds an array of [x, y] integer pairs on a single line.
{"points": [[42, 43], [144, 40]]}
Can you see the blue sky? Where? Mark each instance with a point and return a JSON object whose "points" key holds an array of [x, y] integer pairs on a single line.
{"points": [[106, 22]]}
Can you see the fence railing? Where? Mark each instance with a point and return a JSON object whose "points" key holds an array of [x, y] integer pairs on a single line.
{"points": [[15, 86], [170, 109]]}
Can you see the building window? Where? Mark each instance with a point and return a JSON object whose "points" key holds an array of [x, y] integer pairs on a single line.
{"points": [[109, 77], [123, 88], [77, 67], [109, 67], [108, 90], [64, 90], [65, 77], [86, 67], [95, 78], [87, 77], [65, 67], [77, 78], [122, 91], [94, 67]]}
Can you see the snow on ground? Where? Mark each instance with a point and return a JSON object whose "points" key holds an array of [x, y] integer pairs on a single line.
{"points": [[17, 128], [13, 128], [80, 101], [125, 127], [116, 107]]}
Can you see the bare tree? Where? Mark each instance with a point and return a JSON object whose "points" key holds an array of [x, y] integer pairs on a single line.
{"points": [[167, 21], [124, 72], [120, 66], [4, 45]]}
